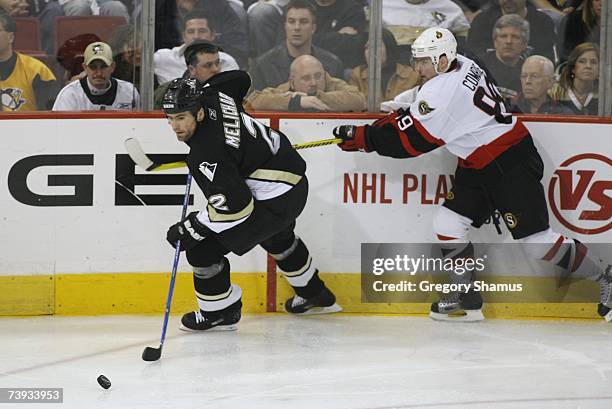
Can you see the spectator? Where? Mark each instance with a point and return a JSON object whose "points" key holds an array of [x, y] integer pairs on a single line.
{"points": [[26, 84], [395, 77], [240, 11], [231, 33], [341, 29], [170, 63], [580, 26], [542, 27], [166, 22], [265, 25], [70, 56], [45, 10], [577, 88], [272, 68], [309, 89], [537, 78], [95, 7], [560, 7], [408, 18], [98, 90], [203, 61], [510, 38], [126, 44]]}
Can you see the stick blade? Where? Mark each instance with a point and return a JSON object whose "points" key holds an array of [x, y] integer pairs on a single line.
{"points": [[133, 148], [151, 354]]}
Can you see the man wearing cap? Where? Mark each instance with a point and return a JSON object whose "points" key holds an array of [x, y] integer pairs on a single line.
{"points": [[98, 90]]}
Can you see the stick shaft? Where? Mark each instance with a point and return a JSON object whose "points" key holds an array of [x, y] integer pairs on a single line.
{"points": [[175, 263], [144, 162]]}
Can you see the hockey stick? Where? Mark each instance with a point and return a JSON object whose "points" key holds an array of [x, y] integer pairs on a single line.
{"points": [[142, 160], [150, 353]]}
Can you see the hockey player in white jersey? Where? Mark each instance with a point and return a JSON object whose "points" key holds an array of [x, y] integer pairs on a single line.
{"points": [[498, 168]]}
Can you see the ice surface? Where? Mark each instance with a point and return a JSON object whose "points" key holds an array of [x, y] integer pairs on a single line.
{"points": [[341, 361]]}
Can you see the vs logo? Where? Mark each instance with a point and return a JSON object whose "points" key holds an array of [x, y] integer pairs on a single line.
{"points": [[578, 196]]}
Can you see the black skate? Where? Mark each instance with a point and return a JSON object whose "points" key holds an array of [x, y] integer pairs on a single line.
{"points": [[604, 308], [466, 307], [223, 320], [323, 303]]}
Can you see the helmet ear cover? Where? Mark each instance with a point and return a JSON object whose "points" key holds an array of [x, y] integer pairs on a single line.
{"points": [[433, 43]]}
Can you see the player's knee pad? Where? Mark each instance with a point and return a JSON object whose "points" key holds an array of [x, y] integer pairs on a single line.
{"points": [[449, 225], [285, 249], [208, 272]]}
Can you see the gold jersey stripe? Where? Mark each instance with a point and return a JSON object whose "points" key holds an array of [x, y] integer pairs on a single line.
{"points": [[276, 176]]}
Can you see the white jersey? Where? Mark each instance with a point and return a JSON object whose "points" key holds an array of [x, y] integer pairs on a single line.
{"points": [[170, 63], [77, 96], [464, 111], [461, 110]]}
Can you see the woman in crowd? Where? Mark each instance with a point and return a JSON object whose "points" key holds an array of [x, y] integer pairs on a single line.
{"points": [[580, 26], [396, 77], [577, 87]]}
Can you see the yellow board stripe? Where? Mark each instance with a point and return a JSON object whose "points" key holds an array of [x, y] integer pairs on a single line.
{"points": [[138, 293]]}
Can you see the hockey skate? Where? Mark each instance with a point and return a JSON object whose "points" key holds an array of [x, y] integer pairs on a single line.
{"points": [[223, 320], [465, 307], [604, 308], [323, 303]]}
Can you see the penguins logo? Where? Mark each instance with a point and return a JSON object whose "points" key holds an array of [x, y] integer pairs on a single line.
{"points": [[438, 35], [11, 98], [97, 49], [424, 108], [511, 220]]}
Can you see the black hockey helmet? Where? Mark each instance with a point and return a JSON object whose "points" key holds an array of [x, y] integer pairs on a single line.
{"points": [[182, 95]]}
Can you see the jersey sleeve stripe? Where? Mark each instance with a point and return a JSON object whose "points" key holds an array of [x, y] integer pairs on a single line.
{"points": [[273, 175], [408, 146]]}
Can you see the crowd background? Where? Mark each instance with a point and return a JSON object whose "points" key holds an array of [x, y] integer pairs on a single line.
{"points": [[302, 55]]}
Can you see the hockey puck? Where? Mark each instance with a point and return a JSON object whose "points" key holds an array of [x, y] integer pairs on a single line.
{"points": [[104, 382]]}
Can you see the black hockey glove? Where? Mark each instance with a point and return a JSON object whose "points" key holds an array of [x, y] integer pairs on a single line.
{"points": [[189, 231], [353, 138]]}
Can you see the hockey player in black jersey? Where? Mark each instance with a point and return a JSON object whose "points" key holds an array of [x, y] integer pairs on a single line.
{"points": [[499, 167], [256, 187]]}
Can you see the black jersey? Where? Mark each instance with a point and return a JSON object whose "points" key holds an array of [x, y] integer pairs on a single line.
{"points": [[237, 160]]}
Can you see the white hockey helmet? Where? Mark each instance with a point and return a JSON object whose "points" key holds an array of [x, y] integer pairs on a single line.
{"points": [[433, 43]]}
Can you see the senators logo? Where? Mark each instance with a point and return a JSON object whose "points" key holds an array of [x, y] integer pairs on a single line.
{"points": [[578, 196], [424, 108], [511, 220]]}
